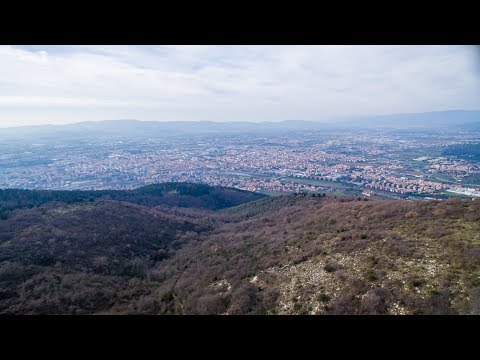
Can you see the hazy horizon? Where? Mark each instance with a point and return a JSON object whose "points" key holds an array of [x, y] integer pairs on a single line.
{"points": [[69, 84], [343, 119]]}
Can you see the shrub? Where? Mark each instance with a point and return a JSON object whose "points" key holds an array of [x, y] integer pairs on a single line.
{"points": [[324, 298], [374, 302]]}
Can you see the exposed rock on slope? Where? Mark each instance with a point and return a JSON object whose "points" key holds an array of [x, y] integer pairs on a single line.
{"points": [[280, 255]]}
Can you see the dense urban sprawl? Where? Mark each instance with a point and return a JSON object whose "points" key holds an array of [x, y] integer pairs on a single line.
{"points": [[400, 164]]}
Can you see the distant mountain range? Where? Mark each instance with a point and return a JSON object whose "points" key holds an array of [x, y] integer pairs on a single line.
{"points": [[456, 119], [450, 119]]}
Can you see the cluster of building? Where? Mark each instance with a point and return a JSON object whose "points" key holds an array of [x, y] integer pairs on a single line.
{"points": [[465, 191], [289, 164], [404, 186]]}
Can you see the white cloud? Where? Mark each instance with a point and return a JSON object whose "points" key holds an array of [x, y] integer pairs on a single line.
{"points": [[59, 84]]}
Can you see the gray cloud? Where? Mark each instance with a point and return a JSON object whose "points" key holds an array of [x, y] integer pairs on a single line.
{"points": [[60, 84]]}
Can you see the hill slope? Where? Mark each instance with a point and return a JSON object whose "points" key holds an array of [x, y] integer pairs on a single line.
{"points": [[186, 195], [282, 255]]}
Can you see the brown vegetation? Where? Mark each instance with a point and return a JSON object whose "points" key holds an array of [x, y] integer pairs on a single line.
{"points": [[283, 255]]}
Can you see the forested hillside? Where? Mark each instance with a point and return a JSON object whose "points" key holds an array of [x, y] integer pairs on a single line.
{"points": [[292, 254], [171, 194]]}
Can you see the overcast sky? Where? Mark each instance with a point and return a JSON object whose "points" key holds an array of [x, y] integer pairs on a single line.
{"points": [[64, 84]]}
